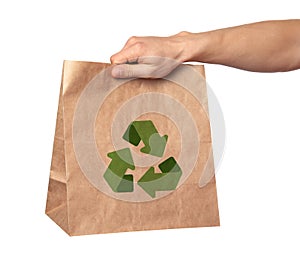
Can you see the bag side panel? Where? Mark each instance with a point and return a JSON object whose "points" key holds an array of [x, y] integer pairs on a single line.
{"points": [[56, 206]]}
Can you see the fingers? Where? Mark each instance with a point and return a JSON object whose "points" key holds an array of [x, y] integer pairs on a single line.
{"points": [[146, 67], [118, 58], [132, 71], [128, 54], [144, 57], [131, 41]]}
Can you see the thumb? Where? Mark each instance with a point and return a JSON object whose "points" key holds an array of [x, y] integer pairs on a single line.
{"points": [[132, 71]]}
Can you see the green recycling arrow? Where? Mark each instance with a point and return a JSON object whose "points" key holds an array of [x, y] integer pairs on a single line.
{"points": [[167, 180], [145, 130], [114, 175]]}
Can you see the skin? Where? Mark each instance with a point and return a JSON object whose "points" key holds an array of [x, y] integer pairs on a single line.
{"points": [[268, 46]]}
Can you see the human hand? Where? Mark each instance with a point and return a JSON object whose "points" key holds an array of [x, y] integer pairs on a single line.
{"points": [[149, 57]]}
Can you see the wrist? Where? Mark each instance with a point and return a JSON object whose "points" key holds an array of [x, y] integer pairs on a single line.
{"points": [[201, 47], [183, 46]]}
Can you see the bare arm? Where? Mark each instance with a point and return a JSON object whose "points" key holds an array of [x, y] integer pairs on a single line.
{"points": [[268, 46]]}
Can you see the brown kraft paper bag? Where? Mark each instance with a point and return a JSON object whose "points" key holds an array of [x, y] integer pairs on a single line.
{"points": [[131, 154]]}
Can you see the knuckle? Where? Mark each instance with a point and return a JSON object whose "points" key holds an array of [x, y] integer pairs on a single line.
{"points": [[129, 72], [112, 59], [126, 72], [183, 33], [140, 47], [132, 40]]}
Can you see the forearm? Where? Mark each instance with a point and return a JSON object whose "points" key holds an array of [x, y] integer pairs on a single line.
{"points": [[268, 46], [265, 46]]}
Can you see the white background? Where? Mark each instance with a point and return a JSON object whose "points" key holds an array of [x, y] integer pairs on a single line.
{"points": [[258, 182]]}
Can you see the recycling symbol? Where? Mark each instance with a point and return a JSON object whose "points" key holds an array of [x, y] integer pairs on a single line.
{"points": [[121, 160]]}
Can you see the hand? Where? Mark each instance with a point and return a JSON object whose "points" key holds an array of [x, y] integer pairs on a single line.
{"points": [[268, 46], [149, 57]]}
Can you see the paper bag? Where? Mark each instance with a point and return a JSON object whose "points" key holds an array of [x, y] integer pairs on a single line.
{"points": [[130, 154]]}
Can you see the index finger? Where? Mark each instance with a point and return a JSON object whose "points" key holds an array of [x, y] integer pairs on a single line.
{"points": [[128, 55]]}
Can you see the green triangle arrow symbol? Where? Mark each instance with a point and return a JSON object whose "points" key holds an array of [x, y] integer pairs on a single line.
{"points": [[114, 175], [165, 181], [145, 130]]}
